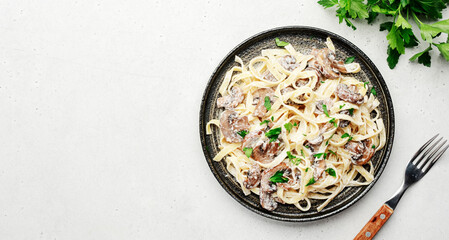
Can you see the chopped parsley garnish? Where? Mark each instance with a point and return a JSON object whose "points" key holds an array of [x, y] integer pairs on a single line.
{"points": [[311, 181], [272, 118], [332, 152], [248, 152], [373, 147], [288, 127], [351, 111], [346, 135], [341, 106], [290, 155], [267, 103], [307, 169], [295, 124], [243, 133], [294, 159], [327, 142], [264, 122], [307, 146], [318, 155], [365, 84], [331, 172], [280, 43], [273, 134], [349, 60], [373, 91], [333, 122], [305, 135], [302, 153], [278, 177], [325, 110], [322, 81]]}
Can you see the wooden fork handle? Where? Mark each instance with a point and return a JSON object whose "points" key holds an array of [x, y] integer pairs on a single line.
{"points": [[375, 223]]}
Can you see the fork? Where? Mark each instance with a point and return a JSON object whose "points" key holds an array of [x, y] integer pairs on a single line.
{"points": [[417, 168]]}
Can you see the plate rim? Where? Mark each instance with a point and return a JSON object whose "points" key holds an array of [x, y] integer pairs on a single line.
{"points": [[291, 29]]}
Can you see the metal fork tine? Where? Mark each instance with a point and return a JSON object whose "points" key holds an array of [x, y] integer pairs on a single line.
{"points": [[429, 158], [423, 147], [438, 156], [427, 151]]}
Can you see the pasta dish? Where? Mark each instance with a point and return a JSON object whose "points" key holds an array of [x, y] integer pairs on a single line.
{"points": [[297, 126]]}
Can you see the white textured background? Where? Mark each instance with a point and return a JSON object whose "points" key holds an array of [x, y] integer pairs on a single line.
{"points": [[99, 135]]}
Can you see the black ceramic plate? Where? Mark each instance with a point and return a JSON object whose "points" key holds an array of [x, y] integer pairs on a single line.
{"points": [[303, 39]]}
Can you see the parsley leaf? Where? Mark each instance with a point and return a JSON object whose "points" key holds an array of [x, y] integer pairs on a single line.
{"points": [[311, 181], [328, 3], [332, 152], [345, 135], [272, 118], [243, 133], [423, 57], [373, 147], [325, 110], [393, 57], [290, 155], [280, 43], [341, 106], [365, 84], [267, 103], [351, 111], [278, 177], [444, 50], [288, 127], [349, 60], [331, 172], [295, 124], [293, 159], [248, 152], [372, 16], [302, 153], [307, 169], [333, 122], [264, 122], [402, 23], [273, 134], [373, 91], [327, 142], [395, 41]]}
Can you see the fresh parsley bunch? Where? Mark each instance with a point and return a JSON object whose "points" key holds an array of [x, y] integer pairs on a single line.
{"points": [[400, 34]]}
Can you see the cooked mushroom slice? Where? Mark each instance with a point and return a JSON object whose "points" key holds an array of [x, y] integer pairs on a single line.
{"points": [[349, 94], [267, 188], [320, 166], [253, 178], [322, 63], [361, 151], [288, 62], [267, 75], [232, 100], [259, 100], [344, 123], [231, 124], [319, 105], [264, 151]]}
